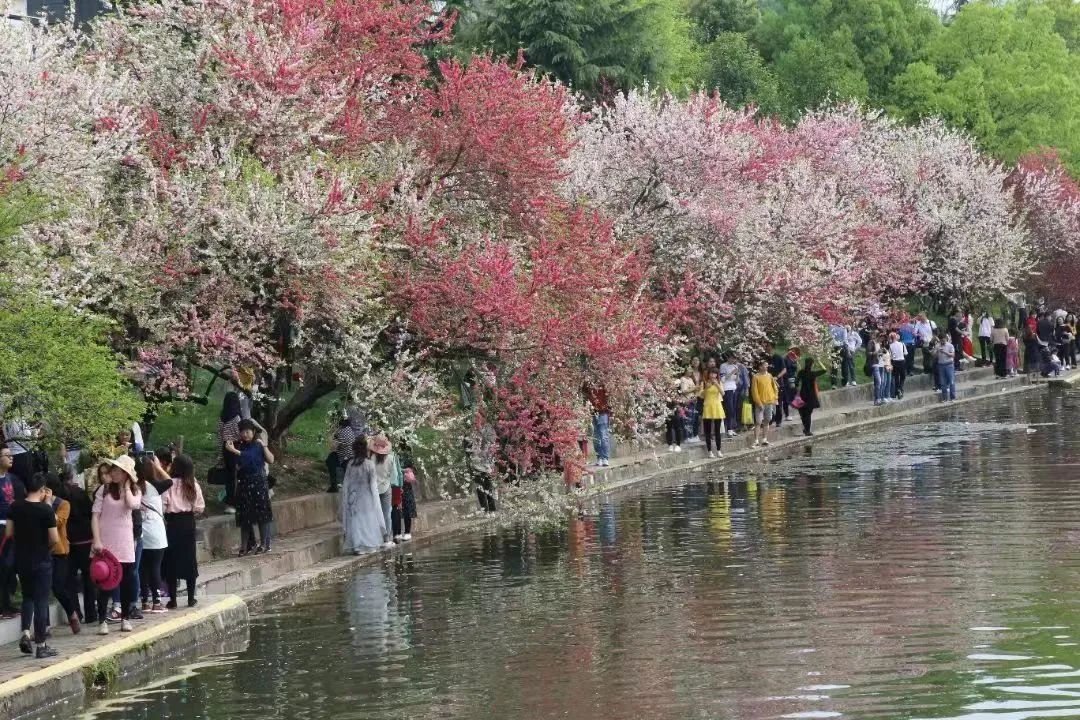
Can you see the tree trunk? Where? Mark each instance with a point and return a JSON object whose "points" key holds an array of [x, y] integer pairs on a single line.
{"points": [[282, 417]]}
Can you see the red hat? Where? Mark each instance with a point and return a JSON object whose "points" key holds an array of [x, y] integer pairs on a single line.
{"points": [[105, 570]]}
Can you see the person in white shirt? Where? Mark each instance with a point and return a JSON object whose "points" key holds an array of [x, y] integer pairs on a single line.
{"points": [[924, 338], [729, 382], [852, 343], [986, 329], [898, 351]]}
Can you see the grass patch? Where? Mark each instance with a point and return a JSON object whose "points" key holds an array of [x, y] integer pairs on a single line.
{"points": [[102, 675]]}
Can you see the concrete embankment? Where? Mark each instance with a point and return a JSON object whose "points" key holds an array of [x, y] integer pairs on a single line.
{"points": [[308, 551]]}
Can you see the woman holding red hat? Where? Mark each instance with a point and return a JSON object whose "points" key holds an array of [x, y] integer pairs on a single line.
{"points": [[113, 533]]}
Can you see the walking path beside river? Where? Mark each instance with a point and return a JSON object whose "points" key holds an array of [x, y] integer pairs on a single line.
{"points": [[308, 551]]}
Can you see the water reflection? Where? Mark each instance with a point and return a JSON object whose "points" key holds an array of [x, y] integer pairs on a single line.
{"points": [[926, 572]]}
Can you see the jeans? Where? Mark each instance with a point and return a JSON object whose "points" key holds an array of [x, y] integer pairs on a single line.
{"points": [[36, 583], [947, 381], [385, 501], [880, 388], [690, 419], [601, 436], [134, 597], [731, 409], [847, 366]]}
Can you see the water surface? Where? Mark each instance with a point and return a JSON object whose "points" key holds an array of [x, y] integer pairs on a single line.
{"points": [[926, 570]]}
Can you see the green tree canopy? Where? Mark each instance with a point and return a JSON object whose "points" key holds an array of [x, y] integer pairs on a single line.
{"points": [[592, 45], [734, 69], [841, 49], [54, 364], [1009, 74]]}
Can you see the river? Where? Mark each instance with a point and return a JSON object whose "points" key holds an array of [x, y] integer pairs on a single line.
{"points": [[921, 570]]}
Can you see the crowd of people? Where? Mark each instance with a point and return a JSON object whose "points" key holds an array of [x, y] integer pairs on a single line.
{"points": [[718, 395], [109, 543]]}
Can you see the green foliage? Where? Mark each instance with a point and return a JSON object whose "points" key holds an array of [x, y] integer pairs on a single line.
{"points": [[713, 17], [735, 70], [1009, 74], [57, 366], [841, 49], [593, 46]]}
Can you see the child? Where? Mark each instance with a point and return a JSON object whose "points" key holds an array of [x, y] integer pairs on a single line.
{"points": [[252, 489], [1012, 356], [764, 394], [181, 503]]}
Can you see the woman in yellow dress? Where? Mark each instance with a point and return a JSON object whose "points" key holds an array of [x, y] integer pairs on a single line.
{"points": [[712, 413]]}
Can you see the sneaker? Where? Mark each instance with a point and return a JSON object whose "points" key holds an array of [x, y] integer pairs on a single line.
{"points": [[44, 651], [397, 538], [671, 448], [9, 615], [125, 626], [192, 602], [332, 489], [719, 455], [136, 614], [406, 537], [157, 608], [764, 442], [145, 605], [731, 433], [756, 444], [113, 616], [712, 454], [26, 645], [171, 605], [230, 510], [103, 628], [74, 624], [678, 448]]}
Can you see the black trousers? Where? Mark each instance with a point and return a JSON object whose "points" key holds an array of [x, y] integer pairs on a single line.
{"points": [[805, 414], [60, 585], [79, 580], [36, 583], [401, 521], [999, 360], [8, 576], [129, 588], [230, 477], [150, 572], [485, 493], [675, 429], [714, 429], [899, 374]]}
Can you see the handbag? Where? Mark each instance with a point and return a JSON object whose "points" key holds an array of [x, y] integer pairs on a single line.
{"points": [[747, 411], [798, 402], [217, 475]]}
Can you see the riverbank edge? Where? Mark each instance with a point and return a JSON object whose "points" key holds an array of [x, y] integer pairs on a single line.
{"points": [[889, 414], [76, 679]]}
